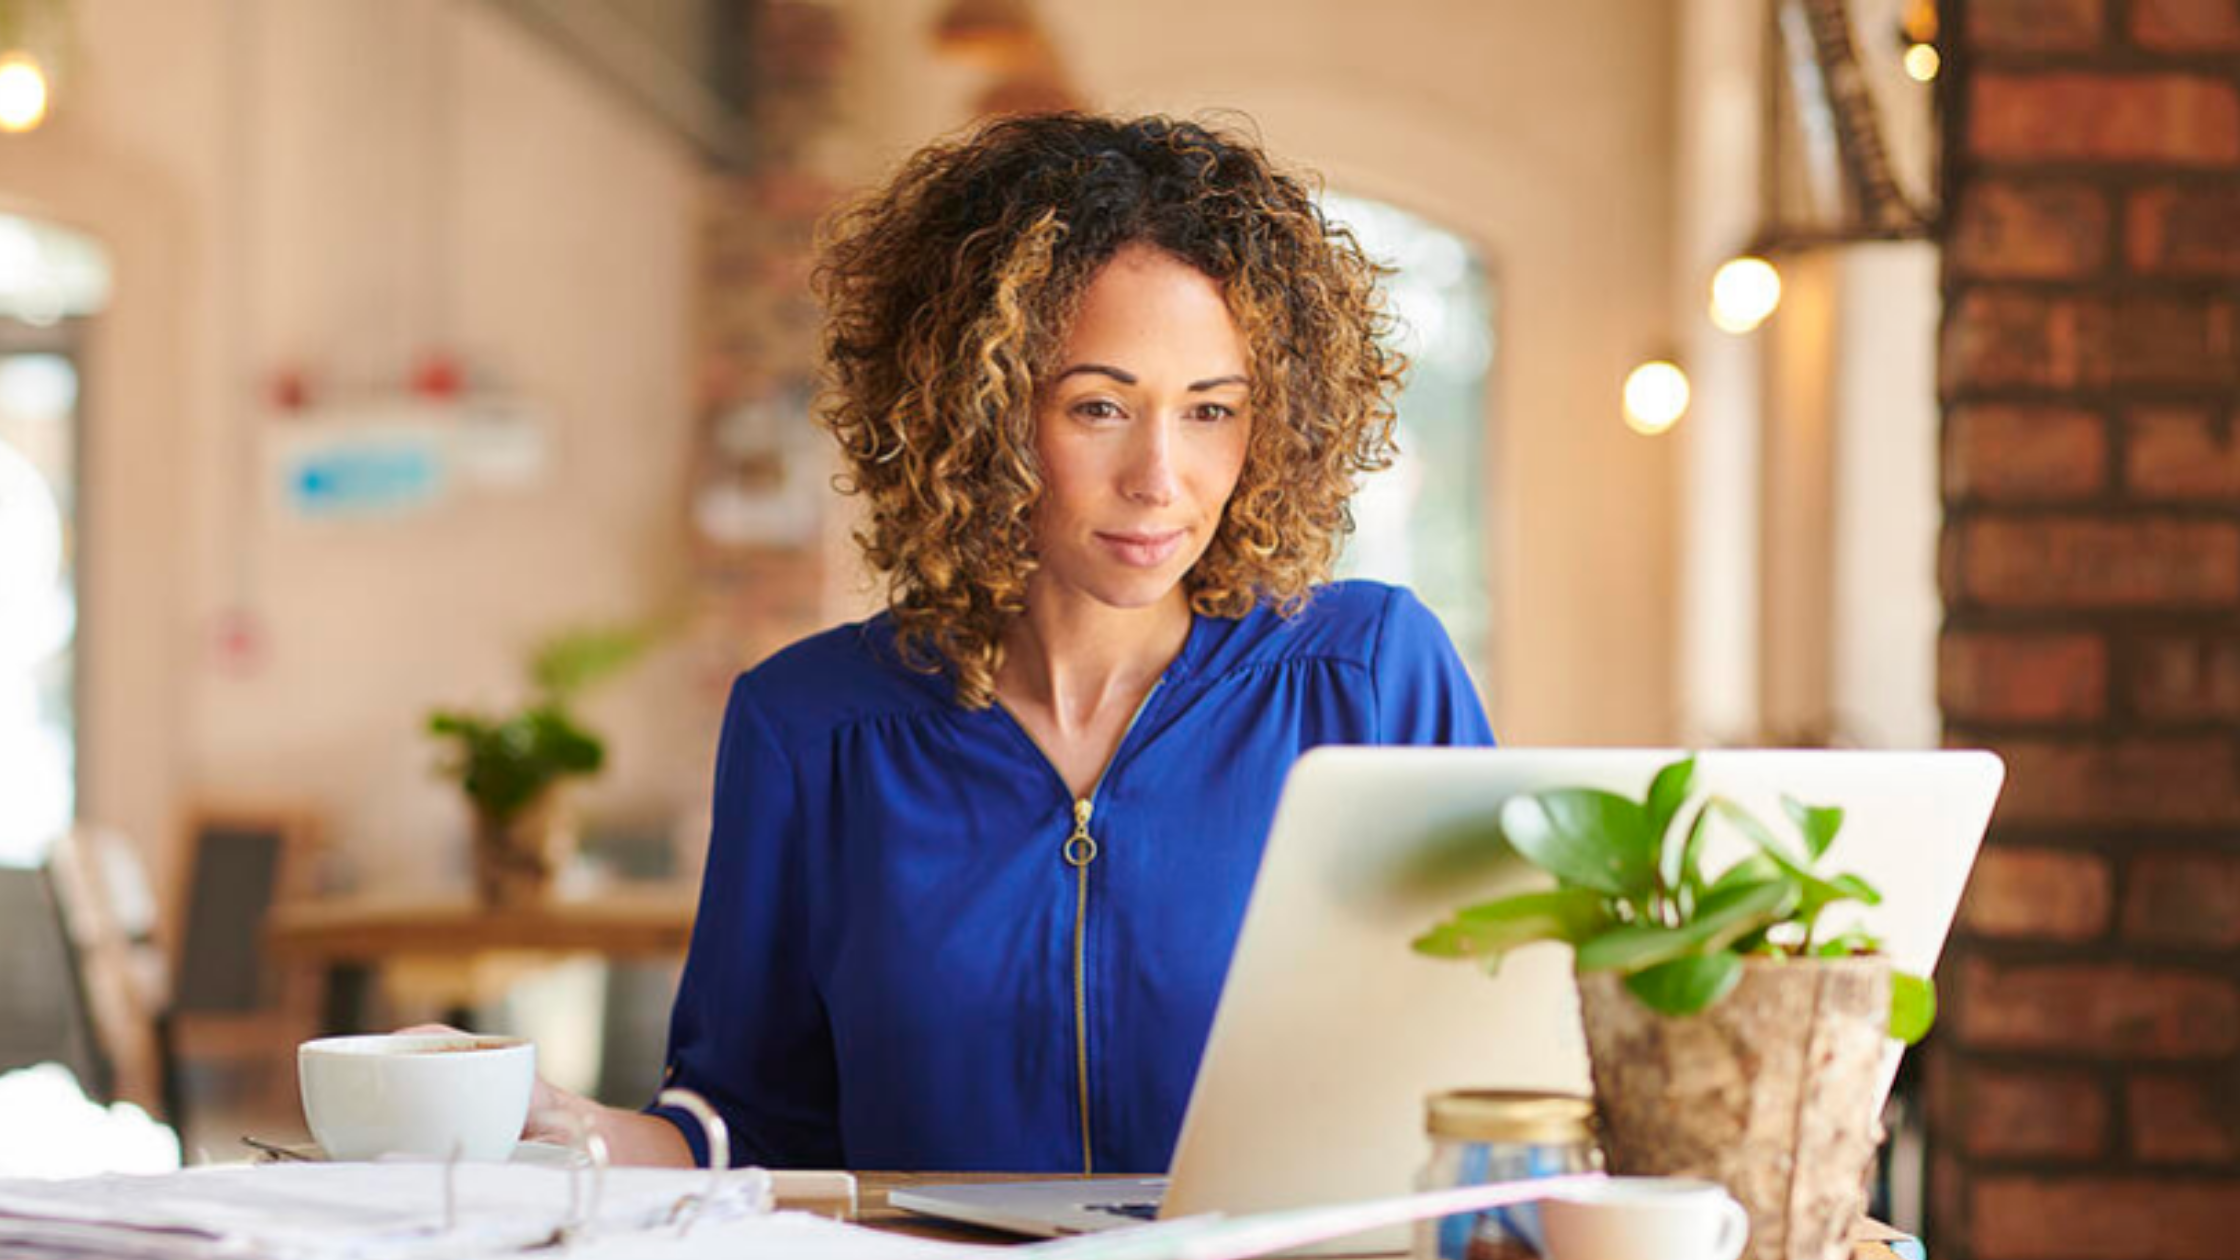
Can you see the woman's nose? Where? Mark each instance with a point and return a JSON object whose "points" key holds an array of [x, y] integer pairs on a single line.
{"points": [[1150, 476]]}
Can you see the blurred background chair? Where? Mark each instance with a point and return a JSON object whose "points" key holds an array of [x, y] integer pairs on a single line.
{"points": [[44, 1017], [236, 1013]]}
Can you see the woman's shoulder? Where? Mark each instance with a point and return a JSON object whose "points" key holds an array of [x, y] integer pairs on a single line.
{"points": [[1345, 622], [837, 677]]}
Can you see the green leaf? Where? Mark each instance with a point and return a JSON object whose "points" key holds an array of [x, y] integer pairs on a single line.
{"points": [[1491, 930], [1444, 940], [567, 663], [1857, 889], [1755, 869], [1685, 986], [1586, 837], [1847, 944], [1667, 793], [1818, 823], [1913, 1006], [1817, 892], [1756, 832], [1719, 922], [1686, 880]]}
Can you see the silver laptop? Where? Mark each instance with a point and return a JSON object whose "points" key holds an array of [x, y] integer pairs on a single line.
{"points": [[1331, 1031]]}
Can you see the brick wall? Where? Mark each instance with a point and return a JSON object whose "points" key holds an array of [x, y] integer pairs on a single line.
{"points": [[2086, 1079], [756, 343]]}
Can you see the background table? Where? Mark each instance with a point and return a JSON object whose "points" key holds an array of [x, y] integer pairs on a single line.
{"points": [[458, 949]]}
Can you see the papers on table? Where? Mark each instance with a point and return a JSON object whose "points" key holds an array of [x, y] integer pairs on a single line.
{"points": [[383, 1211], [401, 1211]]}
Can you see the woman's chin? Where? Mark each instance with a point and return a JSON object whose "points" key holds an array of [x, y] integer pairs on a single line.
{"points": [[1131, 589]]}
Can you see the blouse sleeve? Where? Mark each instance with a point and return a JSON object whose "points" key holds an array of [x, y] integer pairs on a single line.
{"points": [[1424, 696], [748, 1031]]}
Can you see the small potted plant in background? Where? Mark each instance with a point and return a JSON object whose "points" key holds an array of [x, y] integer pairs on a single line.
{"points": [[512, 766], [1732, 1035]]}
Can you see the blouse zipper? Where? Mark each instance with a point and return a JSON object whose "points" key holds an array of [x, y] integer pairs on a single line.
{"points": [[1080, 850]]}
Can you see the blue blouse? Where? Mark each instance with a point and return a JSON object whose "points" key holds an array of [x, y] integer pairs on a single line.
{"points": [[908, 955]]}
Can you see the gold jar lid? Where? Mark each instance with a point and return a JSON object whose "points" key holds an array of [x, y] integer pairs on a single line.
{"points": [[1510, 1115]]}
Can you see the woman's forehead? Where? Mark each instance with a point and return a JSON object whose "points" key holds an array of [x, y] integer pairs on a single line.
{"points": [[1147, 303]]}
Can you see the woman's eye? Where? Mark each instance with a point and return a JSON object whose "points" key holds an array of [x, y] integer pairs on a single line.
{"points": [[1211, 412], [1097, 409]]}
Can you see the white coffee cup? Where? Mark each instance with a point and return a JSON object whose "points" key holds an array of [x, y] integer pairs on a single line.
{"points": [[430, 1095], [1645, 1218]]}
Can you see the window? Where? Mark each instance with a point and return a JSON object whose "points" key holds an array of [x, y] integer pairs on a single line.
{"points": [[1418, 523], [49, 279]]}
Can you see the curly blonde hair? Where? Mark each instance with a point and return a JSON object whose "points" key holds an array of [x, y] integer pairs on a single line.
{"points": [[948, 295]]}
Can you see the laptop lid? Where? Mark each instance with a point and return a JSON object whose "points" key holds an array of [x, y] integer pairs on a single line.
{"points": [[1331, 1031]]}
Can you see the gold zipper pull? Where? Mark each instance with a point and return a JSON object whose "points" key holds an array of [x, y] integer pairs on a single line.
{"points": [[1081, 847]]}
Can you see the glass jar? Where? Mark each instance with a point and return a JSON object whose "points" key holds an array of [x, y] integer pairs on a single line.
{"points": [[1484, 1135]]}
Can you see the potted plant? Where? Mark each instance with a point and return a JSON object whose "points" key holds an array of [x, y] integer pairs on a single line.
{"points": [[1731, 1035], [512, 766]]}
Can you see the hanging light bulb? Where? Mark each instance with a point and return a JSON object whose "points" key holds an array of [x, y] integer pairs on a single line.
{"points": [[23, 92], [1656, 397], [1744, 291], [1917, 31]]}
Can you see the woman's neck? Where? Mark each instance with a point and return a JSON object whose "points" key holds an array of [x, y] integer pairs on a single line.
{"points": [[1080, 661]]}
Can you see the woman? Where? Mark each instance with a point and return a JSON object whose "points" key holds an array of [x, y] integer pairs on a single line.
{"points": [[978, 863]]}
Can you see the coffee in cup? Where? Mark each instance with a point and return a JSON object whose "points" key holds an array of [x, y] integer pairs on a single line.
{"points": [[1644, 1218], [422, 1095]]}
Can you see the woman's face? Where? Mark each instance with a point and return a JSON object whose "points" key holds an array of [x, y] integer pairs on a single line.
{"points": [[1141, 431]]}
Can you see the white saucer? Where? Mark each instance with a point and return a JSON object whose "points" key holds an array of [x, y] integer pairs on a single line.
{"points": [[533, 1154]]}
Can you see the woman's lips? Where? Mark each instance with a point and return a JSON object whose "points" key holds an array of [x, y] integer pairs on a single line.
{"points": [[1143, 551]]}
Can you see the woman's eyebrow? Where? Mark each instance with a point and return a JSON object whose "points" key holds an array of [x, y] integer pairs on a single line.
{"points": [[1129, 378], [1125, 378]]}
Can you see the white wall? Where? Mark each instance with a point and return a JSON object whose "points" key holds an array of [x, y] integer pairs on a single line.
{"points": [[278, 181], [1888, 517]]}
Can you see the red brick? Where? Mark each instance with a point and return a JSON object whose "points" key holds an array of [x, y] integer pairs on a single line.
{"points": [[2179, 781], [1988, 677], [2184, 1119], [2017, 1114], [2186, 25], [2034, 25], [2184, 231], [2102, 1218], [2190, 900], [2009, 230], [2081, 562], [2185, 119], [2185, 678], [2022, 454], [2039, 894], [2004, 337], [1998, 337], [1948, 1190], [2115, 1010], [2173, 341], [2180, 453]]}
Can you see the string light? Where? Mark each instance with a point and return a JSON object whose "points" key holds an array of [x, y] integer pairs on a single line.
{"points": [[23, 93], [1922, 62], [1744, 291], [1656, 397]]}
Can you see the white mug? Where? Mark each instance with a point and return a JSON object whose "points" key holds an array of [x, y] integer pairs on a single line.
{"points": [[432, 1095], [1645, 1218]]}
